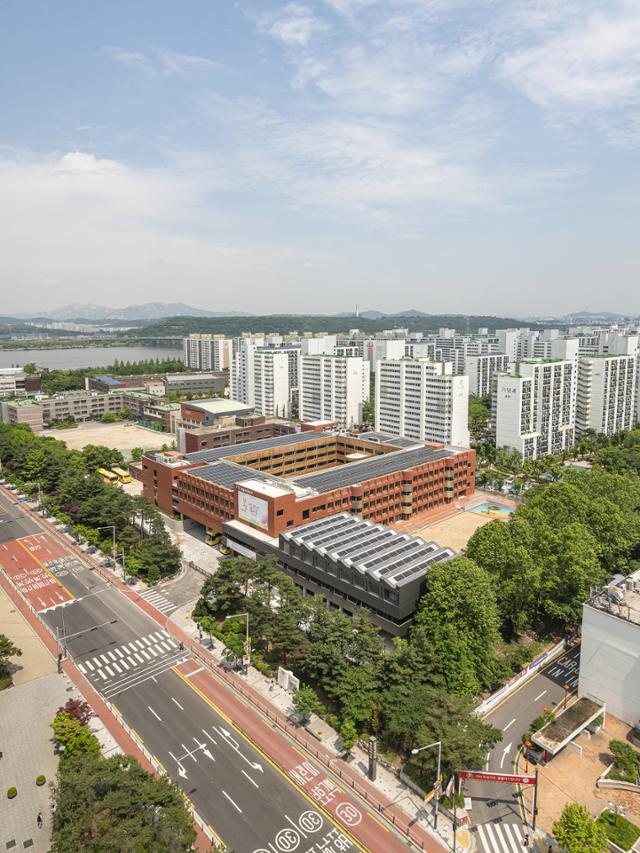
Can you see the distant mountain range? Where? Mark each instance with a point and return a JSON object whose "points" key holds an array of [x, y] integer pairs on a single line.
{"points": [[148, 311]]}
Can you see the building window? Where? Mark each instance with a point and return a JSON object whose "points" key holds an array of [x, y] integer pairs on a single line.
{"points": [[305, 513], [280, 512]]}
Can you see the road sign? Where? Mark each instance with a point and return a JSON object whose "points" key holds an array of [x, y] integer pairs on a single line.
{"points": [[506, 778], [246, 660]]}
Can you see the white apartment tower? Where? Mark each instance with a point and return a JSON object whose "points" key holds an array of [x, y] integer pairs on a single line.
{"points": [[422, 399], [271, 381], [482, 368], [206, 352], [333, 388], [242, 369], [534, 407], [607, 386]]}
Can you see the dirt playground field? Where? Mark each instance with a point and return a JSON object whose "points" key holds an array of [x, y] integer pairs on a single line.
{"points": [[120, 436]]}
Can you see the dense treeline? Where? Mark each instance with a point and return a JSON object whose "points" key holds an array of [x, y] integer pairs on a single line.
{"points": [[54, 380], [75, 493], [285, 323]]}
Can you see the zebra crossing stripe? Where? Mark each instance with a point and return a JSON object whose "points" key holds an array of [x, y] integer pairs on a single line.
{"points": [[116, 667], [102, 675], [81, 668], [89, 664]]}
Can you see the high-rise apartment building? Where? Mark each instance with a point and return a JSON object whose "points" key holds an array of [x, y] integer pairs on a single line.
{"points": [[607, 387], [482, 368], [424, 400], [272, 389], [333, 388], [534, 407], [206, 352], [242, 370]]}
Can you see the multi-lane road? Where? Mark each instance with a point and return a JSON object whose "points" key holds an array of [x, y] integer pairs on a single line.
{"points": [[188, 720], [496, 810]]}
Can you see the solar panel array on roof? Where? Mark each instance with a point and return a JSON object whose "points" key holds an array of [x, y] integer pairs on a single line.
{"points": [[393, 440], [225, 474], [252, 446], [378, 466], [400, 556]]}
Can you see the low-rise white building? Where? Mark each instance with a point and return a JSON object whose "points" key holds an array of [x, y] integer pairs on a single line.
{"points": [[12, 381], [333, 388], [424, 400], [610, 651]]}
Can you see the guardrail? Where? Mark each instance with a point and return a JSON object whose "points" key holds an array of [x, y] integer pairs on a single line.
{"points": [[527, 673]]}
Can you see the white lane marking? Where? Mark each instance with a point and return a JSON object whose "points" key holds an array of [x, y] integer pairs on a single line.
{"points": [[235, 805], [104, 658], [116, 667], [124, 664], [89, 664], [110, 671], [175, 701], [148, 657], [195, 671], [165, 646], [540, 695], [102, 675], [515, 843], [140, 658], [250, 779], [164, 633], [154, 713], [112, 656], [139, 644], [206, 734], [119, 653], [504, 753], [509, 725], [152, 652], [131, 660], [82, 669], [157, 636]]}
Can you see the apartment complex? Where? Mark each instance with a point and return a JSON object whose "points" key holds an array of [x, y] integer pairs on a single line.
{"points": [[207, 352], [423, 400], [333, 388], [607, 387], [272, 382]]}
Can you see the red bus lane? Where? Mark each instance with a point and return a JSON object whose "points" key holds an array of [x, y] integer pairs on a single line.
{"points": [[323, 793], [27, 562]]}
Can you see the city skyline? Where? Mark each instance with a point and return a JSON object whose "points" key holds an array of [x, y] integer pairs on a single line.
{"points": [[277, 157]]}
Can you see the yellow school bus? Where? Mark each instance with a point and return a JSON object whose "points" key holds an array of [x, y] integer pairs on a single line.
{"points": [[122, 475], [108, 476]]}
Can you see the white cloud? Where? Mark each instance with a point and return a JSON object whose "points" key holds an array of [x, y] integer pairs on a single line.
{"points": [[294, 25], [592, 63], [160, 61]]}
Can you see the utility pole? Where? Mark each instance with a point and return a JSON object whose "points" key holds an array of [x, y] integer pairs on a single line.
{"points": [[535, 802]]}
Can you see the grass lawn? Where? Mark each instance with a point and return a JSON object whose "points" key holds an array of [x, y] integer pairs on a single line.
{"points": [[619, 830]]}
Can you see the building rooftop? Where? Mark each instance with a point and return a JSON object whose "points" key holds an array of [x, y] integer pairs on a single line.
{"points": [[110, 380], [621, 598], [252, 446], [220, 406], [380, 552], [226, 474]]}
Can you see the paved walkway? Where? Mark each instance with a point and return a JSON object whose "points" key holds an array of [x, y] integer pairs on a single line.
{"points": [[35, 660]]}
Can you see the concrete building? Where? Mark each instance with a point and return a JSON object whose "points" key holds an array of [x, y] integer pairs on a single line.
{"points": [[482, 368], [607, 387], [423, 400], [610, 653], [12, 382], [242, 368], [191, 439], [318, 344], [194, 383], [386, 348], [534, 407], [333, 388], [218, 412], [271, 381], [207, 352]]}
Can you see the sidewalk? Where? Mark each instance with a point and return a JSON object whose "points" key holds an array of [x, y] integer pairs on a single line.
{"points": [[397, 797]]}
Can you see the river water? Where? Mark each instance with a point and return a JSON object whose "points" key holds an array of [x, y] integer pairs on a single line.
{"points": [[83, 356]]}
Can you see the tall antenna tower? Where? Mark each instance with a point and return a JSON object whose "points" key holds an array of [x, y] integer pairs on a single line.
{"points": [[357, 310]]}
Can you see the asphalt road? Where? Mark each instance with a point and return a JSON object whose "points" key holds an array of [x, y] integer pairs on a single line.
{"points": [[14, 522], [495, 810]]}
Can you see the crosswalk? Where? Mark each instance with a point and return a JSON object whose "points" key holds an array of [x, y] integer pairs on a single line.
{"points": [[125, 666], [500, 837], [158, 600]]}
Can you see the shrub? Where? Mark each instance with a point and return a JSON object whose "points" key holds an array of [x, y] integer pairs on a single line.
{"points": [[41, 779], [627, 761], [12, 792]]}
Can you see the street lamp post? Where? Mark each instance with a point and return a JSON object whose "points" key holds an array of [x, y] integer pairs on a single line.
{"points": [[437, 743], [247, 645]]}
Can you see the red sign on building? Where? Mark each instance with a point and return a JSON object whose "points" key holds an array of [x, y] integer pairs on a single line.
{"points": [[508, 779]]}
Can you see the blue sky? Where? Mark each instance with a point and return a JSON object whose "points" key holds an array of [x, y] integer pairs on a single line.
{"points": [[445, 155]]}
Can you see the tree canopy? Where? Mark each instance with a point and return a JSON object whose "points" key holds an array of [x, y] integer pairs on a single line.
{"points": [[577, 832]]}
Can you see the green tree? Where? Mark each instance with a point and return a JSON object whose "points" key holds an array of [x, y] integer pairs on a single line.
{"points": [[306, 702], [456, 626], [72, 737], [114, 805], [348, 735], [7, 650], [136, 454], [578, 832]]}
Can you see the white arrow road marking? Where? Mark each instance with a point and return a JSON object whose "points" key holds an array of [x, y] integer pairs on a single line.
{"points": [[235, 805], [204, 749], [509, 725], [181, 771], [154, 713], [504, 754], [250, 779], [234, 743]]}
